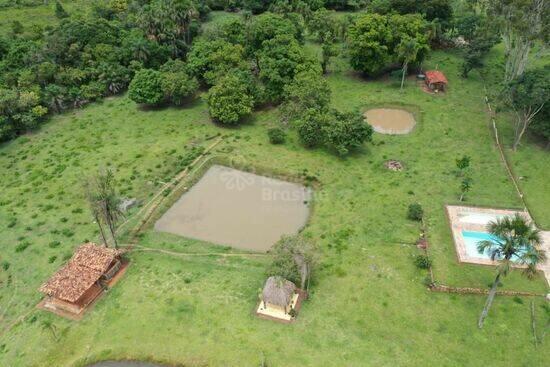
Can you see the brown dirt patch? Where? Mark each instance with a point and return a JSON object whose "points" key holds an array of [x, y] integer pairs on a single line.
{"points": [[392, 121]]}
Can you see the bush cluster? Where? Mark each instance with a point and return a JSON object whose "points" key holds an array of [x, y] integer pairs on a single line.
{"points": [[415, 212]]}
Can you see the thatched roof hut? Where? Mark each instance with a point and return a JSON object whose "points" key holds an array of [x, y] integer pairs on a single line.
{"points": [[88, 264], [278, 291]]}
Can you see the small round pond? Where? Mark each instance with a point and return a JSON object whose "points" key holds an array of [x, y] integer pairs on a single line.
{"points": [[391, 121]]}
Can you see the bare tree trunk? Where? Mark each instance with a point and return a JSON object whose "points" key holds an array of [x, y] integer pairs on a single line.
{"points": [[461, 196], [96, 217], [523, 123], [489, 302], [404, 72], [112, 229]]}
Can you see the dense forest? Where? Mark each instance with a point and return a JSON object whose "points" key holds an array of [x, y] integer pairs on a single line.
{"points": [[152, 49]]}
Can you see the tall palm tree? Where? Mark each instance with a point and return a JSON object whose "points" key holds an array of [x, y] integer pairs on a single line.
{"points": [[109, 201], [515, 238], [95, 206], [104, 203], [408, 52]]}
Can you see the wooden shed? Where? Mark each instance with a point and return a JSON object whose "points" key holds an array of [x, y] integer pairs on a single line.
{"points": [[77, 284], [436, 80]]}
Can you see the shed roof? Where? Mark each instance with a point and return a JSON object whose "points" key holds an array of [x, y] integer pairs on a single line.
{"points": [[435, 76], [87, 265], [278, 291]]}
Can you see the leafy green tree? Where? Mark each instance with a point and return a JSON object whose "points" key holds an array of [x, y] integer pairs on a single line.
{"points": [[229, 100], [346, 4], [373, 40], [211, 60], [60, 12], [293, 258], [256, 6], [105, 200], [480, 36], [521, 24], [268, 26], [515, 240], [321, 25], [310, 127], [527, 95], [434, 10], [233, 31], [463, 164], [328, 51], [407, 51], [178, 87], [170, 22], [113, 76], [279, 60], [135, 46], [54, 97], [347, 131], [308, 90], [146, 87], [20, 111]]}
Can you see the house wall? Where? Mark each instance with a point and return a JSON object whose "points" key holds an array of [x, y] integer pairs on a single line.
{"points": [[276, 308], [74, 307]]}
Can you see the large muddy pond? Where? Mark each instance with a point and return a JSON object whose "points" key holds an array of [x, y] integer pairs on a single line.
{"points": [[390, 120], [239, 209]]}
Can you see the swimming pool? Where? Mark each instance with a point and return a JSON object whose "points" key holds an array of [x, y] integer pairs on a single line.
{"points": [[472, 238]]}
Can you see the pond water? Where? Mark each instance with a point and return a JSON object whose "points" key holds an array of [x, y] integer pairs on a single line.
{"points": [[240, 209], [390, 120]]}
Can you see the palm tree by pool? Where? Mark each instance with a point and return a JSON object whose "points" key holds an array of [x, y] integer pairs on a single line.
{"points": [[514, 237]]}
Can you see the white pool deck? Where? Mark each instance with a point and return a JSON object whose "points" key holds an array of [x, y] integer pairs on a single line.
{"points": [[476, 219]]}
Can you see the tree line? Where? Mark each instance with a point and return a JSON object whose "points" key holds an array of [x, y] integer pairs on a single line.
{"points": [[151, 47]]}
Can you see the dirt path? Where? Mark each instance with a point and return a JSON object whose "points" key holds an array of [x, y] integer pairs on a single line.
{"points": [[137, 248], [545, 268], [149, 208]]}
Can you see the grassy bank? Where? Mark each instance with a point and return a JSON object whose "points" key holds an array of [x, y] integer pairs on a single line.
{"points": [[368, 304]]}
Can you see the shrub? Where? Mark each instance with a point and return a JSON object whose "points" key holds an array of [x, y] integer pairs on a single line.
{"points": [[276, 135], [422, 262], [229, 101], [178, 86], [146, 87], [347, 131], [415, 212], [373, 39], [22, 246], [310, 127], [54, 244]]}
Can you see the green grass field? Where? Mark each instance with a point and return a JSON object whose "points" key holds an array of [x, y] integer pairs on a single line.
{"points": [[42, 15], [368, 304]]}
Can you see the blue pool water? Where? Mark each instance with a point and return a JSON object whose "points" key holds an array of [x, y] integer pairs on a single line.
{"points": [[471, 240]]}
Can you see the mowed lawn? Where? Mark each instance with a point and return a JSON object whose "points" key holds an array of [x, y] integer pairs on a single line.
{"points": [[368, 304]]}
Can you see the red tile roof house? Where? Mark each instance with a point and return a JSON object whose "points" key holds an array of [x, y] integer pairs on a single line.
{"points": [[436, 80], [82, 280]]}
